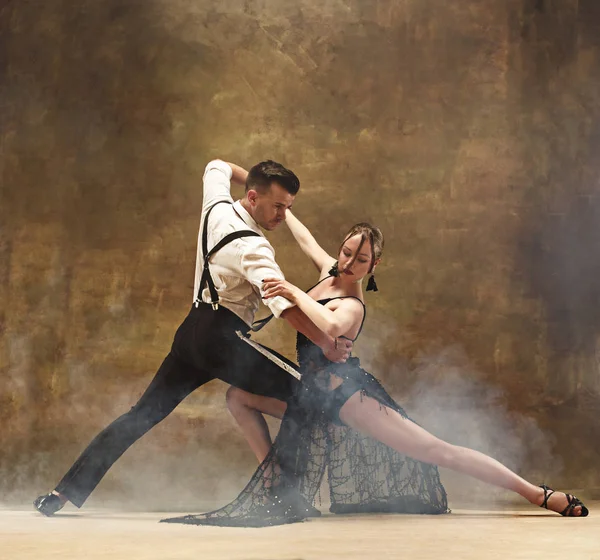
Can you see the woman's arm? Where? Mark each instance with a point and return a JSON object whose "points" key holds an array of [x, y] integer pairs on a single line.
{"points": [[334, 349], [334, 323], [308, 243]]}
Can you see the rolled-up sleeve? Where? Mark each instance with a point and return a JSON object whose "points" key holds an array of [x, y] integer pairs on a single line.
{"points": [[217, 183], [258, 263]]}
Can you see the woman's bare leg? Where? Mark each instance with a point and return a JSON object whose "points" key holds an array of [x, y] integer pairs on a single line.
{"points": [[368, 416], [248, 410]]}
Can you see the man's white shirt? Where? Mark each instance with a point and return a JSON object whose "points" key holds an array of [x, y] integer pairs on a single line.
{"points": [[239, 268]]}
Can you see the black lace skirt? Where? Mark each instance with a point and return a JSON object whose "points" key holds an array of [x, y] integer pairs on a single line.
{"points": [[364, 475]]}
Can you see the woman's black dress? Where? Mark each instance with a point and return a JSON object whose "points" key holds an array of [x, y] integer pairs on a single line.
{"points": [[364, 475]]}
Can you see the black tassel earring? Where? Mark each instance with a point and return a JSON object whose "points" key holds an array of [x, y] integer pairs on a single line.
{"points": [[371, 284], [334, 270]]}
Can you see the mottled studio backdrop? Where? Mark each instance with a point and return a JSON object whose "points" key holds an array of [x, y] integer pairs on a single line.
{"points": [[468, 131]]}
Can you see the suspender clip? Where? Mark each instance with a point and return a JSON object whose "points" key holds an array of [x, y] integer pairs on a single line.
{"points": [[215, 305]]}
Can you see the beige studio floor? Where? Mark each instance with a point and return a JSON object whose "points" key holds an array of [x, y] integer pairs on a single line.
{"points": [[523, 533]]}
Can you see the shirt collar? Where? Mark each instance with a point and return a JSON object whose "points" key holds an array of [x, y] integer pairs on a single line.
{"points": [[247, 218]]}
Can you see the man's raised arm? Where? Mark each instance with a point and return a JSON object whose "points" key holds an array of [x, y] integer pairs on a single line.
{"points": [[238, 174]]}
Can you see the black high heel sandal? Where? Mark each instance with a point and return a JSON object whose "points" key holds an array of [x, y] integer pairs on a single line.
{"points": [[573, 502]]}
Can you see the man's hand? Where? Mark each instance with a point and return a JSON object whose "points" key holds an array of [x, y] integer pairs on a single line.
{"points": [[273, 287], [339, 350]]}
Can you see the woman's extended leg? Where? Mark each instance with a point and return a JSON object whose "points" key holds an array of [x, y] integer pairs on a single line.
{"points": [[370, 417], [248, 410]]}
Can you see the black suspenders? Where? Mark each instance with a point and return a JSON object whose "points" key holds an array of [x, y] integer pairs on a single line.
{"points": [[206, 277]]}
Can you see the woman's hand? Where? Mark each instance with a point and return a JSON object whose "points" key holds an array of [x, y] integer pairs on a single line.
{"points": [[276, 287]]}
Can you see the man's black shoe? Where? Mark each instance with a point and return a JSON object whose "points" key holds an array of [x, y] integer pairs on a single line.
{"points": [[48, 504]]}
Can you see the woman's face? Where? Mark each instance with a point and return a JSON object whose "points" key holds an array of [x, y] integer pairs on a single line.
{"points": [[351, 267]]}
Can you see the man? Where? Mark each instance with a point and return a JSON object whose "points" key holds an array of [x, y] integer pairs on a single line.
{"points": [[233, 258]]}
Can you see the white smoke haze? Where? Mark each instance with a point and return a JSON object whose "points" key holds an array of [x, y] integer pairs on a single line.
{"points": [[194, 460], [453, 401], [197, 459], [205, 464]]}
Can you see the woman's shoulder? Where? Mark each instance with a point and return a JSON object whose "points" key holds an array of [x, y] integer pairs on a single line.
{"points": [[346, 299]]}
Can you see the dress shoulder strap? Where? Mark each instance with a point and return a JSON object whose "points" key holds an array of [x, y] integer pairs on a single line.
{"points": [[321, 280]]}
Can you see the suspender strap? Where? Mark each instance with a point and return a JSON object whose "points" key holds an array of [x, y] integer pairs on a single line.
{"points": [[206, 278], [205, 228]]}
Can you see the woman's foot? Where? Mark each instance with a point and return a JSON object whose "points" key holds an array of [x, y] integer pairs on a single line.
{"points": [[566, 505]]}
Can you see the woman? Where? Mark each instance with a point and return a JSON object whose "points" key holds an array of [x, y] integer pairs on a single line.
{"points": [[340, 416]]}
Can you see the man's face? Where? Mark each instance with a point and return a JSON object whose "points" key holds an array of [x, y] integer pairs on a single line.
{"points": [[269, 207]]}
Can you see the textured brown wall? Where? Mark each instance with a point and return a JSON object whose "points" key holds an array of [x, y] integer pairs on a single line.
{"points": [[467, 130]]}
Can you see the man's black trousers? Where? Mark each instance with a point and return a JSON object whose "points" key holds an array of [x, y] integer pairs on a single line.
{"points": [[205, 347]]}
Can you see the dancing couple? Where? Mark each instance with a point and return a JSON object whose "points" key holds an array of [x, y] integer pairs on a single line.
{"points": [[336, 417]]}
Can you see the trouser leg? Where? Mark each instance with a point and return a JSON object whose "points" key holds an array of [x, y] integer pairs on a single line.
{"points": [[172, 383]]}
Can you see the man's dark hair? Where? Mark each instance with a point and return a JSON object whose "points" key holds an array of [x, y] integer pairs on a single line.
{"points": [[264, 173]]}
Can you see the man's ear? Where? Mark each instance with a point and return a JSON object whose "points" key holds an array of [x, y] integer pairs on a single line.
{"points": [[377, 261], [251, 195]]}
